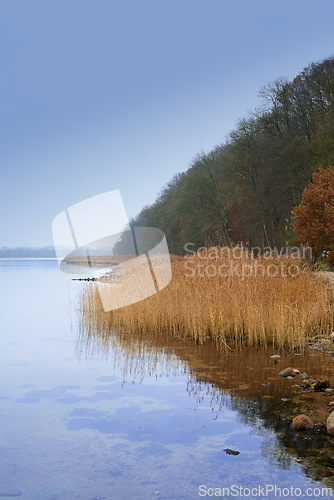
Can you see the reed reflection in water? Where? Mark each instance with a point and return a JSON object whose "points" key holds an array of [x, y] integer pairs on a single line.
{"points": [[245, 380]]}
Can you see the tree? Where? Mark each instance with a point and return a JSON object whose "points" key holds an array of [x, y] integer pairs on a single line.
{"points": [[315, 215], [245, 189]]}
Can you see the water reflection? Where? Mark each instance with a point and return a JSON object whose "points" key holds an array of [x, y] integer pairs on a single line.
{"points": [[81, 425], [245, 381]]}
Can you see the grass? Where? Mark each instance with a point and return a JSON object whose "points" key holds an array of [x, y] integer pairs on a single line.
{"points": [[228, 297]]}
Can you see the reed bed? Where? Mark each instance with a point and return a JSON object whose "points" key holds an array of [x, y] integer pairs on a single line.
{"points": [[229, 297]]}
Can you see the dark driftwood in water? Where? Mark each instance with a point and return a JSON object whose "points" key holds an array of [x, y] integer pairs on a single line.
{"points": [[231, 452], [84, 279]]}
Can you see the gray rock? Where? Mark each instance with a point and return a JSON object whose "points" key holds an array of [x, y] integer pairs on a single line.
{"points": [[331, 403], [325, 341], [275, 356], [290, 378], [329, 390], [303, 376]]}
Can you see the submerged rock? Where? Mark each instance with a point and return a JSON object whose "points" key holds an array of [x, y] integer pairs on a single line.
{"points": [[289, 372], [320, 385], [302, 423], [315, 385], [275, 356], [303, 376]]}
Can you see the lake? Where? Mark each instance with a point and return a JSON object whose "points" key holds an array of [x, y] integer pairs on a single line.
{"points": [[99, 416]]}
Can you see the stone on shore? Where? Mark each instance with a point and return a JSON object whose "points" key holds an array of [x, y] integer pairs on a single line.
{"points": [[330, 424], [302, 423], [289, 372]]}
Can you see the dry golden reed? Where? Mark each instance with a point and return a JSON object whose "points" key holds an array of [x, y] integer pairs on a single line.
{"points": [[229, 297]]}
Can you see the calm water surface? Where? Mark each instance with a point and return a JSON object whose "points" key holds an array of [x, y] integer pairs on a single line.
{"points": [[82, 416]]}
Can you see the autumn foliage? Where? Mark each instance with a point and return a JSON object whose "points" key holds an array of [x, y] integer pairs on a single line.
{"points": [[315, 215]]}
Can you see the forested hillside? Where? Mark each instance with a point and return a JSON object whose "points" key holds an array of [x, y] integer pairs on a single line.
{"points": [[245, 189]]}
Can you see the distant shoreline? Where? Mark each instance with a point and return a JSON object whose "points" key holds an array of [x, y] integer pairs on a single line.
{"points": [[47, 252], [29, 258]]}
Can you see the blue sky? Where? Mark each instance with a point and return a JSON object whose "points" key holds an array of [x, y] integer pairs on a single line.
{"points": [[102, 95]]}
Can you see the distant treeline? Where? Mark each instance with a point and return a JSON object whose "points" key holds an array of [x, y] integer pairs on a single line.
{"points": [[245, 189], [27, 252]]}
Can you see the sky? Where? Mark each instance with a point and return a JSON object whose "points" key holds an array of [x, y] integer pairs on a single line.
{"points": [[103, 95]]}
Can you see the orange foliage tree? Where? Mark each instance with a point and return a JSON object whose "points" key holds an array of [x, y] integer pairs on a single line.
{"points": [[315, 215]]}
